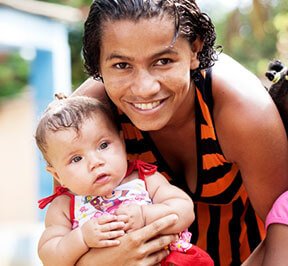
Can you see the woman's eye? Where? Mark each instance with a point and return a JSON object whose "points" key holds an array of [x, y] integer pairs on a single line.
{"points": [[103, 145], [121, 65], [76, 159], [163, 61]]}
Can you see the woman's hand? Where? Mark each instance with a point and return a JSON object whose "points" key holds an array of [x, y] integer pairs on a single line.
{"points": [[136, 248]]}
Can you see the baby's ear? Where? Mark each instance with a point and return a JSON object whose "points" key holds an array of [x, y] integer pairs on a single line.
{"points": [[53, 172], [121, 134]]}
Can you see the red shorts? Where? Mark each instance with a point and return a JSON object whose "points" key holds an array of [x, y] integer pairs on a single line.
{"points": [[194, 256]]}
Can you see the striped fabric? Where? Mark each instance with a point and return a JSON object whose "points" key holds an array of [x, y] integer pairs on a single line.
{"points": [[226, 225]]}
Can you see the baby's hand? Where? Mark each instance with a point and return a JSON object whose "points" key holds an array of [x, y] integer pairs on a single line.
{"points": [[135, 215], [102, 231]]}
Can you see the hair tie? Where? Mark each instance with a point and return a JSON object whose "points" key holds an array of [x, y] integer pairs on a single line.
{"points": [[276, 71]]}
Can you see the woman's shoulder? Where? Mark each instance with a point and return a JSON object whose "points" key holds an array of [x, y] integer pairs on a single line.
{"points": [[228, 73], [242, 106], [233, 84]]}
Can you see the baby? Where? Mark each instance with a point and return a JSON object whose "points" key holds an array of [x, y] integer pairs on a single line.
{"points": [[102, 195]]}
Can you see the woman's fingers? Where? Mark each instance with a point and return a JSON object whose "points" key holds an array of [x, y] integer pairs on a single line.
{"points": [[111, 234], [155, 228], [157, 244], [156, 258], [112, 226], [149, 250]]}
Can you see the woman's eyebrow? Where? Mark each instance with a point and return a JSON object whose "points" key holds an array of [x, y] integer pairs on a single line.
{"points": [[116, 55], [166, 51]]}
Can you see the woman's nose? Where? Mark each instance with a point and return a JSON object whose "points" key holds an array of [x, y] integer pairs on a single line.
{"points": [[145, 84]]}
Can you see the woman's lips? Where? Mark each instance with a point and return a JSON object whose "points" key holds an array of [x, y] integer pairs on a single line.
{"points": [[147, 106]]}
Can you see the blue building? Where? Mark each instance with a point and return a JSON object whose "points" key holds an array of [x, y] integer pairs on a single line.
{"points": [[40, 31]]}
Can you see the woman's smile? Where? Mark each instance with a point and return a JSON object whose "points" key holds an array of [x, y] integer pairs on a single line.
{"points": [[146, 106]]}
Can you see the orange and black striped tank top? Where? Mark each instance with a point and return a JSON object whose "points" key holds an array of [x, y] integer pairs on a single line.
{"points": [[226, 225]]}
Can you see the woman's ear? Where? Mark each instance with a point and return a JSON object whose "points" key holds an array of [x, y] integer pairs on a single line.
{"points": [[53, 172], [196, 47]]}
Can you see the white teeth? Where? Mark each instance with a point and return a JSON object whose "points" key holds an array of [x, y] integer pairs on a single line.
{"points": [[147, 106]]}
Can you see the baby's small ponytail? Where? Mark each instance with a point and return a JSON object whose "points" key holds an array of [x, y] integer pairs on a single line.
{"points": [[60, 96]]}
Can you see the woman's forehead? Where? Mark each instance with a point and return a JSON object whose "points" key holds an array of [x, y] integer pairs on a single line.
{"points": [[142, 32]]}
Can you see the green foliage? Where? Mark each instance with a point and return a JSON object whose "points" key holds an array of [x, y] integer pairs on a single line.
{"points": [[73, 3], [252, 36], [13, 75], [75, 41]]}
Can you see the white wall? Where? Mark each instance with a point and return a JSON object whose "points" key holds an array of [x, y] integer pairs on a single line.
{"points": [[19, 229]]}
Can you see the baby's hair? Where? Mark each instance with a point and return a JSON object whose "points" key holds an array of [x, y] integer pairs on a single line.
{"points": [[278, 73], [68, 113]]}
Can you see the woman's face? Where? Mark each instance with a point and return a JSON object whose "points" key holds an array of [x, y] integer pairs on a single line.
{"points": [[144, 75]]}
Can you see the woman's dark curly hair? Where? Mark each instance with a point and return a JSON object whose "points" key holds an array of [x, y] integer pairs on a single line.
{"points": [[190, 23]]}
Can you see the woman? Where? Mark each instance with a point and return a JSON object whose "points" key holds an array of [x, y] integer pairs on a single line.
{"points": [[209, 126]]}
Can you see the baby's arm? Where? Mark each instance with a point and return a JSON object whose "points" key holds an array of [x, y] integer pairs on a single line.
{"points": [[60, 245], [167, 199]]}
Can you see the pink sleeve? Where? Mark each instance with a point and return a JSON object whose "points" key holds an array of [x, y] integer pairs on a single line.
{"points": [[279, 211]]}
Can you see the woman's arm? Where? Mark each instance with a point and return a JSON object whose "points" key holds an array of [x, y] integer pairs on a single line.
{"points": [[91, 88], [250, 133], [136, 248]]}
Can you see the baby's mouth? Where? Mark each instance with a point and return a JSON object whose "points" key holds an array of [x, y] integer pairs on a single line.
{"points": [[101, 178]]}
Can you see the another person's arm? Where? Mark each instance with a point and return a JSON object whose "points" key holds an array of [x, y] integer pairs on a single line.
{"points": [[60, 245], [276, 242], [274, 251]]}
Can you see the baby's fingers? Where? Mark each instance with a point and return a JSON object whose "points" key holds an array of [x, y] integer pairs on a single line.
{"points": [[123, 218], [106, 219]]}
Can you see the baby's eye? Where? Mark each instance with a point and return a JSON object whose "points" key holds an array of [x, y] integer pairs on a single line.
{"points": [[76, 159], [121, 65], [103, 145], [163, 61]]}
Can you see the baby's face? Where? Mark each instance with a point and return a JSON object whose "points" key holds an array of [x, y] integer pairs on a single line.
{"points": [[91, 162]]}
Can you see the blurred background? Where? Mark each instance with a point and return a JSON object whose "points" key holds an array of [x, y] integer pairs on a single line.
{"points": [[40, 54]]}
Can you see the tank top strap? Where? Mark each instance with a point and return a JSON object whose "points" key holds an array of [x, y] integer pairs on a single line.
{"points": [[203, 82], [143, 168], [58, 191]]}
